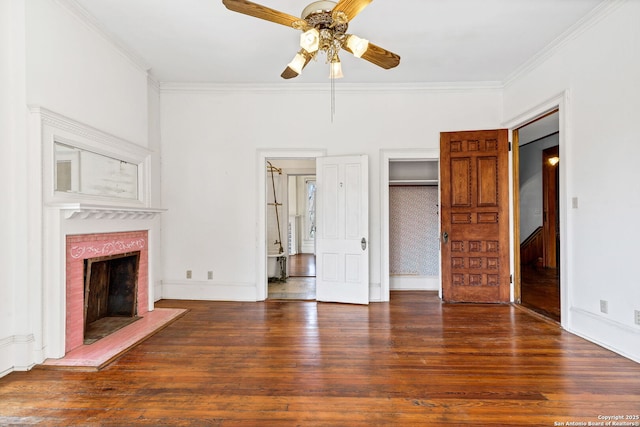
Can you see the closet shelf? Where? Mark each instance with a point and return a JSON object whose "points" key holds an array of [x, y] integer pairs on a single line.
{"points": [[413, 182]]}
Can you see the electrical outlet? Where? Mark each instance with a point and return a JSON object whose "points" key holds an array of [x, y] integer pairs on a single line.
{"points": [[188, 274], [210, 275], [574, 202], [636, 317], [604, 306]]}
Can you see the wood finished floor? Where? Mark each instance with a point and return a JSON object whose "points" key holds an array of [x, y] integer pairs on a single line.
{"points": [[540, 291], [302, 265], [412, 361]]}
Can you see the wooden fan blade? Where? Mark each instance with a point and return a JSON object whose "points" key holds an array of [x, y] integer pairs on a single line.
{"points": [[289, 73], [351, 7], [379, 56], [259, 11]]}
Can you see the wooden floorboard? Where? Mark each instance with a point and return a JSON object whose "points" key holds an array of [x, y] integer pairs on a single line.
{"points": [[412, 361], [540, 290], [302, 265]]}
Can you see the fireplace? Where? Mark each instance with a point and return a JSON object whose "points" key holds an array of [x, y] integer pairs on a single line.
{"points": [[107, 284], [110, 294]]}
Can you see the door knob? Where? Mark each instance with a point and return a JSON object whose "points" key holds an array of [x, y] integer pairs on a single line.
{"points": [[445, 237], [363, 243]]}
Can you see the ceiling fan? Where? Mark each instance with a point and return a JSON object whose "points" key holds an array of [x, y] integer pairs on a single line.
{"points": [[324, 29]]}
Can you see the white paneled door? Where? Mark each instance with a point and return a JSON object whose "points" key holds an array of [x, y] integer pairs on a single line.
{"points": [[342, 229]]}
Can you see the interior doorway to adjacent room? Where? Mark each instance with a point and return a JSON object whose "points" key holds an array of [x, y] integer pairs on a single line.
{"points": [[291, 191], [538, 217]]}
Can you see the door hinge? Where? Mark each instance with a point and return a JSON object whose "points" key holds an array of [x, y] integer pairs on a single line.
{"points": [[509, 145], [511, 278]]}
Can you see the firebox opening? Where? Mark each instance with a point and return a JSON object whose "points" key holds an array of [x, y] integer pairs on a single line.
{"points": [[110, 294]]}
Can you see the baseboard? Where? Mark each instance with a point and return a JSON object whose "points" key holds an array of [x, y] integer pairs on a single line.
{"points": [[16, 354], [209, 291], [612, 335], [414, 283]]}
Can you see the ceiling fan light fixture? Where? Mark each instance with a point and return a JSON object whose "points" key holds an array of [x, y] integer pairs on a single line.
{"points": [[297, 63], [357, 45], [310, 40]]}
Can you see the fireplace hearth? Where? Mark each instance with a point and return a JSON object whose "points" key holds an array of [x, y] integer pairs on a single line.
{"points": [[110, 294]]}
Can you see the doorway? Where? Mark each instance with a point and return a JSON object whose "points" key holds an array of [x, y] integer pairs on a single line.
{"points": [[414, 225], [538, 219], [410, 241], [290, 214]]}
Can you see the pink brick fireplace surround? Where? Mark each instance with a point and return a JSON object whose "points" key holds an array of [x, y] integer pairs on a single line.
{"points": [[84, 246]]}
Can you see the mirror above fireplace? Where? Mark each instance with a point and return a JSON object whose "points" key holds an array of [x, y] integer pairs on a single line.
{"points": [[82, 171]]}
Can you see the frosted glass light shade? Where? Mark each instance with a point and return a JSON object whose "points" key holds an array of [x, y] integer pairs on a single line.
{"points": [[357, 45], [310, 40], [297, 63], [336, 70]]}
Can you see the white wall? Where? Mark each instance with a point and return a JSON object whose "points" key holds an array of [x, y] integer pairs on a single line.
{"points": [[13, 267], [49, 58], [75, 71], [210, 142], [599, 67]]}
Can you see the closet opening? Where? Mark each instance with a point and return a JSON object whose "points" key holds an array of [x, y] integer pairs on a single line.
{"points": [[414, 224]]}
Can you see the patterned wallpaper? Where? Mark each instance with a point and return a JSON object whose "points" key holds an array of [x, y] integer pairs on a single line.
{"points": [[413, 230]]}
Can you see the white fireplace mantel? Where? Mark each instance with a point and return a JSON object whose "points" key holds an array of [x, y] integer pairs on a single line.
{"points": [[89, 211]]}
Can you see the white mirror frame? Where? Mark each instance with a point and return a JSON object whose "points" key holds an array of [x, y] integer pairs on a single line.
{"points": [[57, 128]]}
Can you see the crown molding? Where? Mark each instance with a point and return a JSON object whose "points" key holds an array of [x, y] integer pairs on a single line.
{"points": [[222, 88], [596, 15], [153, 82], [94, 25]]}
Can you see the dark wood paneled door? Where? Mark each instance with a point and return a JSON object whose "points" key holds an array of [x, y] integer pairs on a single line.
{"points": [[475, 216]]}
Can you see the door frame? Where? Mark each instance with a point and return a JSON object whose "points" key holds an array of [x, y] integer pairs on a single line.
{"points": [[263, 155], [559, 102], [386, 155]]}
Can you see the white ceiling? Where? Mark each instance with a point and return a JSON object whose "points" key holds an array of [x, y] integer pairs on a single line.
{"points": [[200, 41]]}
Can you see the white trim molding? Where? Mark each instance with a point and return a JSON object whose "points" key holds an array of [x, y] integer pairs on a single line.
{"points": [[14, 351], [304, 88], [615, 336], [208, 290], [593, 17], [80, 13]]}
